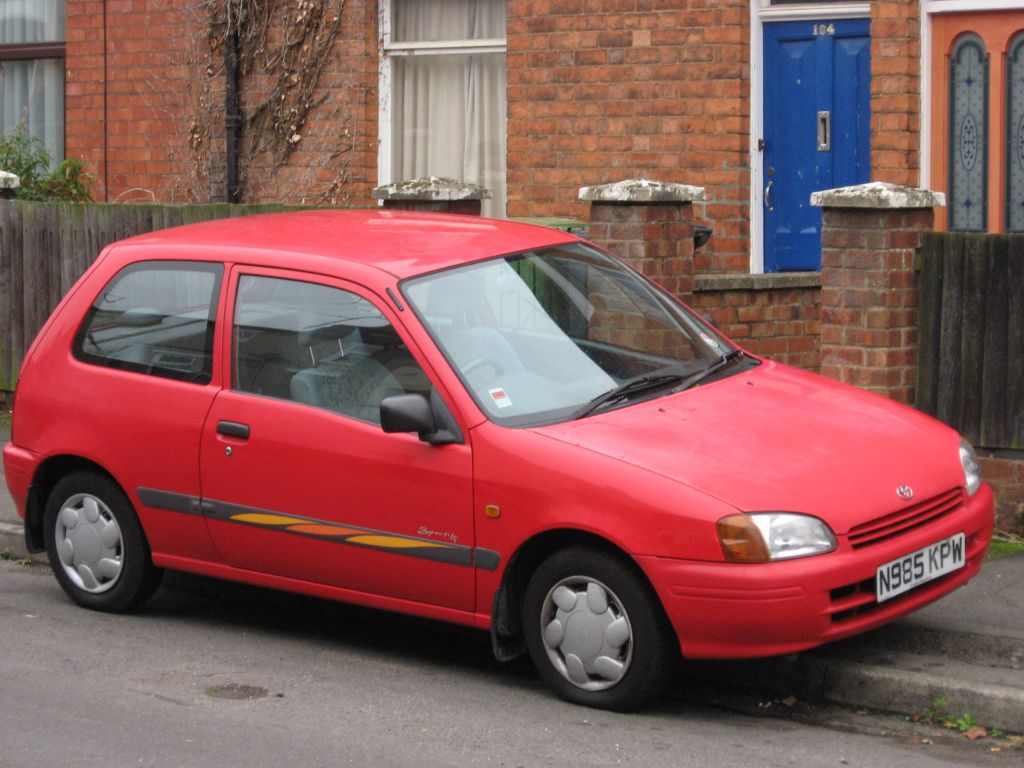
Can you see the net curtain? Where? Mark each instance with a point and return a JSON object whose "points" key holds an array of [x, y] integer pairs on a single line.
{"points": [[32, 91], [449, 115]]}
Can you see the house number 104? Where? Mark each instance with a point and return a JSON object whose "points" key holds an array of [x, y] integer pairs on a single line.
{"points": [[823, 29]]}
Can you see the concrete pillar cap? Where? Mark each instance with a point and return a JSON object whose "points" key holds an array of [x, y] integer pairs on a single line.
{"points": [[641, 191], [432, 188], [9, 180], [878, 194]]}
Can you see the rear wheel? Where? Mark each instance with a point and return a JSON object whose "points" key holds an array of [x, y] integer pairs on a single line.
{"points": [[596, 631], [96, 546]]}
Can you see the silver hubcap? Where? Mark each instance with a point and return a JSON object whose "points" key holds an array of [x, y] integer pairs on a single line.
{"points": [[586, 633], [89, 543]]}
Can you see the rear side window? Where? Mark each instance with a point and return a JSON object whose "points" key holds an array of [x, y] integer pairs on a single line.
{"points": [[155, 317]]}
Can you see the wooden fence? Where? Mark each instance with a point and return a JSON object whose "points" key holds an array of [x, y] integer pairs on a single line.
{"points": [[971, 335], [45, 248]]}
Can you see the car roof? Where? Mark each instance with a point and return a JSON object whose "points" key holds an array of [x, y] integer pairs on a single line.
{"points": [[402, 243]]}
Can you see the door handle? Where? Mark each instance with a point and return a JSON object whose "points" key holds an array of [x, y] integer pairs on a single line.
{"points": [[768, 197], [825, 131], [233, 429]]}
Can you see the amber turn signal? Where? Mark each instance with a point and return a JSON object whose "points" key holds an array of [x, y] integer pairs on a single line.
{"points": [[741, 540]]}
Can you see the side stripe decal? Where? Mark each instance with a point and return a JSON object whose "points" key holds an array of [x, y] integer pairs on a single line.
{"points": [[429, 549]]}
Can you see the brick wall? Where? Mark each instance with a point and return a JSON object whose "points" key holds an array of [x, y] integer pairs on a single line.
{"points": [[776, 322], [335, 162], [164, 108], [869, 298], [1005, 473], [895, 91], [657, 240], [141, 51], [602, 90]]}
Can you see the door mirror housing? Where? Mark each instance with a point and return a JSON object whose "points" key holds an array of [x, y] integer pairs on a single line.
{"points": [[415, 412]]}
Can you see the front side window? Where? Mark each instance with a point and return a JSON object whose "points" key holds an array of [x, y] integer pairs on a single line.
{"points": [[156, 318], [445, 91], [559, 333], [32, 35], [318, 345]]}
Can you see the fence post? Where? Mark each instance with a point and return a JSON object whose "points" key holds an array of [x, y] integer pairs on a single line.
{"points": [[870, 234], [648, 224], [433, 194]]}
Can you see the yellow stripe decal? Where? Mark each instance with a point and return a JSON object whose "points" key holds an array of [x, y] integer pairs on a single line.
{"points": [[322, 529], [394, 542], [260, 518]]}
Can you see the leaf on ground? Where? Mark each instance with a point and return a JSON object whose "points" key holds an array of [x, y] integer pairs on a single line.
{"points": [[975, 733]]}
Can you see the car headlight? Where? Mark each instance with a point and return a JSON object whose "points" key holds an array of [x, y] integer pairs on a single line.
{"points": [[972, 469], [764, 536]]}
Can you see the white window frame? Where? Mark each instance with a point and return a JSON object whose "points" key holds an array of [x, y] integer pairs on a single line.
{"points": [[389, 51], [761, 12]]}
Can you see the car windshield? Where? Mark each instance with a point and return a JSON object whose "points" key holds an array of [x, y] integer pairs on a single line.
{"points": [[559, 333]]}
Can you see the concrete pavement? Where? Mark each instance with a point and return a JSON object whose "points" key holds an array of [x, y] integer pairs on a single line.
{"points": [[963, 655]]}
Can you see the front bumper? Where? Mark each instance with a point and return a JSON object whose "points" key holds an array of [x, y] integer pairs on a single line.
{"points": [[19, 468], [734, 610]]}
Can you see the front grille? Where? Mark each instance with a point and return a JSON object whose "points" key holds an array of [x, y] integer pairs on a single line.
{"points": [[857, 600], [907, 519]]}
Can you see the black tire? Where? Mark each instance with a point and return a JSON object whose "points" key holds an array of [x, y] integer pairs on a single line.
{"points": [[627, 652], [97, 549]]}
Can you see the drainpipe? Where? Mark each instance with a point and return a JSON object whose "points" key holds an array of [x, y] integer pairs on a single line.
{"points": [[232, 115]]}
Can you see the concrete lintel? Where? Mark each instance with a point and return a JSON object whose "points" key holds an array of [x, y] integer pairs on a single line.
{"points": [[432, 188], [773, 281], [878, 194], [9, 180], [642, 191]]}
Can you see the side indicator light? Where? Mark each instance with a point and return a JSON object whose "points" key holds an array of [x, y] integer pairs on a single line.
{"points": [[492, 510]]}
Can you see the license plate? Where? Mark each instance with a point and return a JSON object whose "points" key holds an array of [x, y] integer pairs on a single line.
{"points": [[904, 573]]}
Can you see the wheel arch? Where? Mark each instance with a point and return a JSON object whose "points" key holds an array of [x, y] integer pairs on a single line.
{"points": [[506, 612], [49, 473]]}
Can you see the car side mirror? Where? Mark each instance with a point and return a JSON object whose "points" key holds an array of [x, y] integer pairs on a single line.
{"points": [[417, 413]]}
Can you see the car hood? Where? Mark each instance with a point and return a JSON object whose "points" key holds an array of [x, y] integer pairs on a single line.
{"points": [[775, 438]]}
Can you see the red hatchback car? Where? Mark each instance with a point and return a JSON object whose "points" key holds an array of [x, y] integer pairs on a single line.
{"points": [[478, 421]]}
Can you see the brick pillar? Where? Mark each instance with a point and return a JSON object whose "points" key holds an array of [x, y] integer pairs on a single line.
{"points": [[433, 194], [650, 225], [870, 234]]}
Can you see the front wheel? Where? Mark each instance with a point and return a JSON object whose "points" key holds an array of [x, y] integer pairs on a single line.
{"points": [[96, 546], [596, 632]]}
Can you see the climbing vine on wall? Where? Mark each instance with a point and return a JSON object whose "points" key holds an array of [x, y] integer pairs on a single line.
{"points": [[283, 46]]}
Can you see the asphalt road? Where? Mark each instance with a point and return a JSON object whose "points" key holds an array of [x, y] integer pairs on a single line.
{"points": [[333, 685]]}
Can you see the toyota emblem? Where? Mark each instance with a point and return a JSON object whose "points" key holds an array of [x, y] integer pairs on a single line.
{"points": [[905, 492]]}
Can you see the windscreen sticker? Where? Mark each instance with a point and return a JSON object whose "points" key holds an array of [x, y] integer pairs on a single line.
{"points": [[500, 397]]}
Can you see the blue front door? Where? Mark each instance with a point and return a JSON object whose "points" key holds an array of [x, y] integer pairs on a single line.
{"points": [[816, 129]]}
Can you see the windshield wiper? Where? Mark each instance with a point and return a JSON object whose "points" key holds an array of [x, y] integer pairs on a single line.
{"points": [[629, 387], [714, 367]]}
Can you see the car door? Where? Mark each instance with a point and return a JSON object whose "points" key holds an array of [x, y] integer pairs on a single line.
{"points": [[298, 478]]}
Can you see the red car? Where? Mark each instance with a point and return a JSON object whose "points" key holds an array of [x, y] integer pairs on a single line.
{"points": [[478, 421]]}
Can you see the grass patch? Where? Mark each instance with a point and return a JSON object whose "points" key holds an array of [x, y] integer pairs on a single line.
{"points": [[5, 420], [1005, 545]]}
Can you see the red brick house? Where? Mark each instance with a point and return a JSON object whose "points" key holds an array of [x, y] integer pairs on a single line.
{"points": [[758, 101]]}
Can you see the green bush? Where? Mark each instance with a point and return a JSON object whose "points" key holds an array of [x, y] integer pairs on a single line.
{"points": [[26, 156]]}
